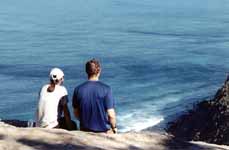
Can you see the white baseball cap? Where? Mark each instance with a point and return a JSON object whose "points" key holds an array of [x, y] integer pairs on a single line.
{"points": [[56, 74]]}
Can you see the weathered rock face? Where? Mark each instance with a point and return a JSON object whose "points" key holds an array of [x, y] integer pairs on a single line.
{"points": [[14, 138], [208, 121]]}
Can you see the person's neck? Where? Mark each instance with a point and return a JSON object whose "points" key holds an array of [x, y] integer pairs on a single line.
{"points": [[93, 78]]}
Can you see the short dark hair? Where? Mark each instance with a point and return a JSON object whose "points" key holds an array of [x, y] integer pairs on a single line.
{"points": [[92, 67]]}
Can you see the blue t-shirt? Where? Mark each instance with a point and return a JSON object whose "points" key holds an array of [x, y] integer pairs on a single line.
{"points": [[93, 99]]}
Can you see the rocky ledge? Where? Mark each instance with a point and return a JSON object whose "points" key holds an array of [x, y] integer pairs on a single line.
{"points": [[208, 121], [15, 138]]}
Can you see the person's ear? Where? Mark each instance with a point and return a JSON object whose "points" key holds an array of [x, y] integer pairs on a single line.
{"points": [[62, 79]]}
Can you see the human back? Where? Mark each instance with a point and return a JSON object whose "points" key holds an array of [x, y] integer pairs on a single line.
{"points": [[93, 102], [52, 110], [94, 99], [48, 105]]}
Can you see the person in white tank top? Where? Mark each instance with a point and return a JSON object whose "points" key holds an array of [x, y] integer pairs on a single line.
{"points": [[52, 103]]}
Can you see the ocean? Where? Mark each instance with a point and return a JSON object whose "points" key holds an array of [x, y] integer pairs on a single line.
{"points": [[159, 57]]}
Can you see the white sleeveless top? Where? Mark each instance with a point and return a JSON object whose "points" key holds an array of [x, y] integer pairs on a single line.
{"points": [[48, 106]]}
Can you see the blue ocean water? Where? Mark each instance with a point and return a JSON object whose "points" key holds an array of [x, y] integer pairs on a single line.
{"points": [[159, 57]]}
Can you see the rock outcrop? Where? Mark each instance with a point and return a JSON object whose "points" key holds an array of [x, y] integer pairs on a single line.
{"points": [[14, 138], [208, 121]]}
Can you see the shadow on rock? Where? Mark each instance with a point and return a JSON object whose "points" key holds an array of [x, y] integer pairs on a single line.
{"points": [[41, 145], [2, 137], [16, 123]]}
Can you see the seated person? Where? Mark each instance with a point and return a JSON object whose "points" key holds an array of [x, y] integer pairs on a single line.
{"points": [[93, 102], [52, 104]]}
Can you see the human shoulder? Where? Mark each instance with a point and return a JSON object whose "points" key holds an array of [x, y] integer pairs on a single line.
{"points": [[63, 89], [44, 88], [104, 85], [81, 85]]}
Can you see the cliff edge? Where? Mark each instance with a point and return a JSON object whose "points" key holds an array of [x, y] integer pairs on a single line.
{"points": [[208, 121], [14, 138]]}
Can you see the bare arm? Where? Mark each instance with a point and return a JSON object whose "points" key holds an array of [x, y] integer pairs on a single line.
{"points": [[112, 119], [67, 116], [76, 112]]}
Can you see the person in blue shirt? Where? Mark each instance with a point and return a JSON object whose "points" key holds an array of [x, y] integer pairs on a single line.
{"points": [[93, 102]]}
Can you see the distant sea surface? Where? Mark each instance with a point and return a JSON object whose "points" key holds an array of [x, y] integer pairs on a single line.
{"points": [[159, 57]]}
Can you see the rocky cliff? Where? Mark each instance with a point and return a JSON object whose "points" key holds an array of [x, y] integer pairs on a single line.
{"points": [[208, 121], [14, 138]]}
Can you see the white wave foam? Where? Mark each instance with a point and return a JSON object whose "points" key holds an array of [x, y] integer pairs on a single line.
{"points": [[136, 124]]}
